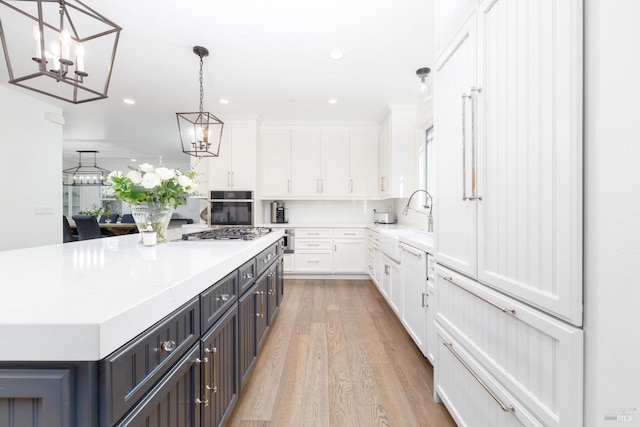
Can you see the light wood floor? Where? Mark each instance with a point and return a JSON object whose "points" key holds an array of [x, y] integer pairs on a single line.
{"points": [[338, 356]]}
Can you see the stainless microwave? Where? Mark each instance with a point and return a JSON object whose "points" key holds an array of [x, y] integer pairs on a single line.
{"points": [[231, 208]]}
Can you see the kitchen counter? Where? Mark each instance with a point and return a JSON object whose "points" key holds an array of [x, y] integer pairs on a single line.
{"points": [[411, 236], [81, 301]]}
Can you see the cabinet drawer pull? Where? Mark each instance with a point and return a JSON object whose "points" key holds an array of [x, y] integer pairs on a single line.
{"points": [[223, 297], [204, 401], [313, 244], [409, 251], [213, 388], [248, 276], [511, 311], [423, 303], [168, 346], [504, 407], [313, 261]]}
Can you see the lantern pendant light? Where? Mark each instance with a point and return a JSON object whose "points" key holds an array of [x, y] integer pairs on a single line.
{"points": [[200, 132], [59, 48]]}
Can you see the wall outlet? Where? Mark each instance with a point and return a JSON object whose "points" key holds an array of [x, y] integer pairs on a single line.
{"points": [[44, 210]]}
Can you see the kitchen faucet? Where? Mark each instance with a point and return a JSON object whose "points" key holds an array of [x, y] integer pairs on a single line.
{"points": [[430, 206]]}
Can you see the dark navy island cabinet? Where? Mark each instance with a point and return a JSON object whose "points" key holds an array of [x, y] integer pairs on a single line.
{"points": [[185, 371]]}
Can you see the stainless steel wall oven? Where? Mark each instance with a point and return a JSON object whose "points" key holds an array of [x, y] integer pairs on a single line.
{"points": [[231, 208]]}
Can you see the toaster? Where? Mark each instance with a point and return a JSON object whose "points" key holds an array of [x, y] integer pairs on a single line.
{"points": [[384, 218]]}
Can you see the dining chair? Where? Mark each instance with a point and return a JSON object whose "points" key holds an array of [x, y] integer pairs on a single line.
{"points": [[127, 219], [67, 232], [87, 226]]}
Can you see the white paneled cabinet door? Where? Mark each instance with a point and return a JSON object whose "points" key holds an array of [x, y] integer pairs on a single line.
{"points": [[243, 158], [234, 168], [456, 216], [349, 256], [305, 164], [363, 164], [334, 163], [530, 152], [275, 165], [413, 268]]}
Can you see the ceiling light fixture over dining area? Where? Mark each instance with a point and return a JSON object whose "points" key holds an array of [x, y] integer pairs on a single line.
{"points": [[200, 132], [62, 49], [82, 175]]}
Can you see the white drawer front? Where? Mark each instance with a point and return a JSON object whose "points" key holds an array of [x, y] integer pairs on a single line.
{"points": [[306, 262], [314, 232], [535, 356], [349, 233], [313, 244], [471, 395]]}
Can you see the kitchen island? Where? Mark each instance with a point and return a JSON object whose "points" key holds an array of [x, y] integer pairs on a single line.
{"points": [[67, 312]]}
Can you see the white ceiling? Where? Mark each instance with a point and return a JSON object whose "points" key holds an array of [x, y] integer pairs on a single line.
{"points": [[269, 58]]}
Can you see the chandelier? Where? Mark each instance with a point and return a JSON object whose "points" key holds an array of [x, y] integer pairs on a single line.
{"points": [[85, 175], [201, 132], [59, 48]]}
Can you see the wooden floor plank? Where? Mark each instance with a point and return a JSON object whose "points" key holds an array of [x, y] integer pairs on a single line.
{"points": [[338, 356]]}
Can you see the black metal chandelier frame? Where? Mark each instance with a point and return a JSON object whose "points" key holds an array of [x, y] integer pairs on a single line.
{"points": [[86, 175], [200, 132], [59, 68]]}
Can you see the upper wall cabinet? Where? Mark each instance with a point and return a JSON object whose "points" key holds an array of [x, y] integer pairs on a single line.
{"points": [[397, 153], [363, 159], [234, 168], [275, 163], [320, 163], [308, 162], [508, 129]]}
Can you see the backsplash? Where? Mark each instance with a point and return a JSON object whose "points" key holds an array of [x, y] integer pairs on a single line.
{"points": [[330, 211]]}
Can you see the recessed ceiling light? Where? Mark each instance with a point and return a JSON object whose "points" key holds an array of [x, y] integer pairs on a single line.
{"points": [[333, 101], [336, 54], [129, 101], [133, 160], [223, 101]]}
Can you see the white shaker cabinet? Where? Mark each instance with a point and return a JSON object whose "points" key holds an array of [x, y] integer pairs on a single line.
{"points": [[415, 299], [320, 163], [275, 163], [455, 216], [350, 255], [508, 131], [397, 158], [363, 164], [234, 168]]}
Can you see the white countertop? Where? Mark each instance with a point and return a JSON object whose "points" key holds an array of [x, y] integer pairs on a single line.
{"points": [[83, 300]]}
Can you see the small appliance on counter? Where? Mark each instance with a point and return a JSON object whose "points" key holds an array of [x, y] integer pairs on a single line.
{"points": [[384, 217], [279, 214]]}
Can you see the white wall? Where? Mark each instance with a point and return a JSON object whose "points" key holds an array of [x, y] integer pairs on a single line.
{"points": [[30, 171], [612, 213]]}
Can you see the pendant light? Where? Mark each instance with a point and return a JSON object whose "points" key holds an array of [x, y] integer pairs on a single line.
{"points": [[86, 175], [201, 132], [59, 48], [424, 87]]}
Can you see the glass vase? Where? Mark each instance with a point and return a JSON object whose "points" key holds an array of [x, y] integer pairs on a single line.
{"points": [[154, 215]]}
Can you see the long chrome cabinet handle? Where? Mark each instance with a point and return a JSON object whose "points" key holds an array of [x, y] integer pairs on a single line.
{"points": [[511, 311], [464, 145], [474, 160], [204, 401], [409, 251], [213, 388], [504, 407]]}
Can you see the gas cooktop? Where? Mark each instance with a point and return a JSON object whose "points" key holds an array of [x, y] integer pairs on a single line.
{"points": [[228, 233]]}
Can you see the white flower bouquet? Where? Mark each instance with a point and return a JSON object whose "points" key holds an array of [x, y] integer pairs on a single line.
{"points": [[148, 184]]}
